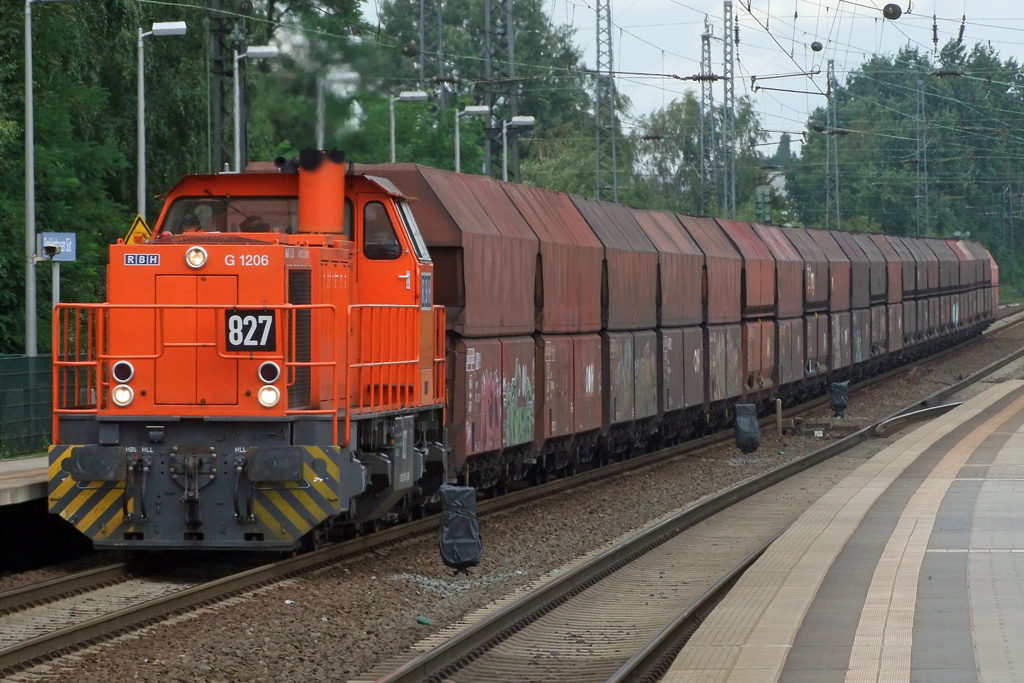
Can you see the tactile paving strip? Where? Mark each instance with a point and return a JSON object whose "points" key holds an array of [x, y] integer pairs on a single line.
{"points": [[782, 584]]}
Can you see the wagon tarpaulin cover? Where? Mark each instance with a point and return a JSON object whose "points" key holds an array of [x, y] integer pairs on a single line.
{"points": [[748, 432], [458, 533]]}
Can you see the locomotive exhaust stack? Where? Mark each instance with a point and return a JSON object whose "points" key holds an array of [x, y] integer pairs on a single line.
{"points": [[321, 191]]}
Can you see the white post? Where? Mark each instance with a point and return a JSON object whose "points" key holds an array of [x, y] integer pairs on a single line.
{"points": [[140, 181], [458, 150], [30, 194], [320, 105], [238, 116], [56, 284], [391, 108], [504, 151]]}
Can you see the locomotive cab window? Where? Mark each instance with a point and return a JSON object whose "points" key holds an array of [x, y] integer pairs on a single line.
{"points": [[349, 211], [380, 242], [232, 214], [418, 245]]}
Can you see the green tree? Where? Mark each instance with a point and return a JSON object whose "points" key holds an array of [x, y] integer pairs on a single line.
{"points": [[549, 86], [974, 135], [667, 171], [784, 154], [85, 84]]}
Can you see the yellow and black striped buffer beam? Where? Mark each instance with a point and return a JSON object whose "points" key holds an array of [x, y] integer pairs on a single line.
{"points": [[287, 510], [95, 508], [283, 511]]}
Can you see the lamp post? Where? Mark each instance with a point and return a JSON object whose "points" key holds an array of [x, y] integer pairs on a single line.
{"points": [[255, 52], [30, 189], [405, 96], [321, 84], [471, 110], [516, 122], [163, 28]]}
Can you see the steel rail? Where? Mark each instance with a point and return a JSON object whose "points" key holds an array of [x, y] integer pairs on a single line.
{"points": [[59, 642], [473, 641], [884, 428], [652, 661], [24, 597]]}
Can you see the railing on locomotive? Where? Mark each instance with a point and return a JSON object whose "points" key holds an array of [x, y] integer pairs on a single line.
{"points": [[384, 363], [96, 362]]}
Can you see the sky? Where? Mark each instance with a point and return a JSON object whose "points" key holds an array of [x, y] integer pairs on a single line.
{"points": [[664, 37]]}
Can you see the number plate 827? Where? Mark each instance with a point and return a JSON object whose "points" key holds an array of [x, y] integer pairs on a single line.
{"points": [[251, 330]]}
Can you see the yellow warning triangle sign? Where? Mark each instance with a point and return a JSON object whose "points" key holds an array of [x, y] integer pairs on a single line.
{"points": [[139, 232]]}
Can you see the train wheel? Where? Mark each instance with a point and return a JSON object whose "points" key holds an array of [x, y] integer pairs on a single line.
{"points": [[314, 539]]}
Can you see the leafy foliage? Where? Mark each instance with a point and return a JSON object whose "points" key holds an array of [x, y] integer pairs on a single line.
{"points": [[667, 172], [972, 102], [84, 95]]}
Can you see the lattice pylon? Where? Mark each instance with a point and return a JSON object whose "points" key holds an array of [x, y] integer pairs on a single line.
{"points": [[708, 170], [604, 106], [729, 114], [433, 72], [500, 87], [832, 221]]}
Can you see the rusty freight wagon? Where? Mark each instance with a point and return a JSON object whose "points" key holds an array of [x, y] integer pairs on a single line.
{"points": [[320, 346]]}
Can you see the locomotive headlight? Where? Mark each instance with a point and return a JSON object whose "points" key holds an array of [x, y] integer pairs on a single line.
{"points": [[195, 257], [269, 372], [122, 395], [268, 396], [122, 371]]}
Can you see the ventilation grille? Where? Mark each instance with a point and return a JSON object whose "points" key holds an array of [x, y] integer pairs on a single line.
{"points": [[300, 292]]}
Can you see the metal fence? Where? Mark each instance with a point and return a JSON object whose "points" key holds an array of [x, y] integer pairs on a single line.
{"points": [[25, 404]]}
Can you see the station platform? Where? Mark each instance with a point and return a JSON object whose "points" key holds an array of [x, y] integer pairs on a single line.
{"points": [[910, 569], [23, 479]]}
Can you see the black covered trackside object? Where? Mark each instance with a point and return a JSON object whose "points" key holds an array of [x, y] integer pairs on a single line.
{"points": [[748, 432], [458, 533], [839, 397]]}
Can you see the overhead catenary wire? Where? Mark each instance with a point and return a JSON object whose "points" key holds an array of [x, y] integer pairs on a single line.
{"points": [[555, 73]]}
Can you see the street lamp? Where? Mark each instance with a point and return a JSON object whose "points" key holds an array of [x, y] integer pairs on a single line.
{"points": [[471, 110], [405, 96], [30, 189], [321, 83], [162, 28], [516, 122], [255, 52]]}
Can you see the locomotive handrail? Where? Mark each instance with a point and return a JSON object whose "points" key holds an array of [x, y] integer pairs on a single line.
{"points": [[97, 342], [440, 348], [382, 357], [387, 351]]}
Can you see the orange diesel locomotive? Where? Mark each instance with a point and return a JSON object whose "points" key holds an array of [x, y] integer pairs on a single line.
{"points": [[254, 377]]}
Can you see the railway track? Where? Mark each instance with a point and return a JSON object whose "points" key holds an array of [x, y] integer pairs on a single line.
{"points": [[64, 614], [624, 614]]}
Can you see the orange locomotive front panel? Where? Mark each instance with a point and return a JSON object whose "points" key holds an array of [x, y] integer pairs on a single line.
{"points": [[263, 371]]}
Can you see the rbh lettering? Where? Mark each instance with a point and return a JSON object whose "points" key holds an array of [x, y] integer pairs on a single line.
{"points": [[142, 259]]}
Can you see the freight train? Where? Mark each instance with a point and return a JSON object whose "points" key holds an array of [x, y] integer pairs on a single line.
{"points": [[322, 345]]}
